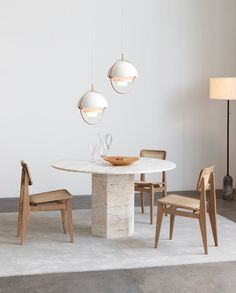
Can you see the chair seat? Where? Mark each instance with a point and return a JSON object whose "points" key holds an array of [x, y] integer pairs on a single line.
{"points": [[180, 201], [50, 196]]}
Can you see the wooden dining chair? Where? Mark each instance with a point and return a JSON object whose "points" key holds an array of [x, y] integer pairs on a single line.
{"points": [[46, 201], [143, 186], [177, 205]]}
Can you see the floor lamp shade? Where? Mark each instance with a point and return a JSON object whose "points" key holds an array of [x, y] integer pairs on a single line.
{"points": [[223, 88]]}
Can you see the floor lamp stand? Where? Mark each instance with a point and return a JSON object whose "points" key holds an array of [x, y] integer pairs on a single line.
{"points": [[228, 180]]}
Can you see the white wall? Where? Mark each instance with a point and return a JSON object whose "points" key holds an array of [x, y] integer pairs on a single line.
{"points": [[45, 67]]}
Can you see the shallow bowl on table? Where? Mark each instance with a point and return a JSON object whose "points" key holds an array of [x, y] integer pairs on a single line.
{"points": [[120, 160]]}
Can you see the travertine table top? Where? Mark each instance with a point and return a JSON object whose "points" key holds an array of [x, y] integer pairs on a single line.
{"points": [[143, 165]]}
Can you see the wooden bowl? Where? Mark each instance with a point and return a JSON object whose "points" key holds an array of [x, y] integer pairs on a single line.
{"points": [[120, 160]]}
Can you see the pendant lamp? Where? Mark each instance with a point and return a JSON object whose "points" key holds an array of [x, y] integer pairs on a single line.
{"points": [[122, 75], [92, 106]]}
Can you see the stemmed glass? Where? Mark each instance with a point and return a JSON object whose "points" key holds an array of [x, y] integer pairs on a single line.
{"points": [[92, 148]]}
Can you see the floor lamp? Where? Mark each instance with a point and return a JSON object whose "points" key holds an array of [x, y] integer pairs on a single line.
{"points": [[224, 88]]}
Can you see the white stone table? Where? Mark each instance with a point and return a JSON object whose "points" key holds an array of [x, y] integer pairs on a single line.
{"points": [[113, 192]]}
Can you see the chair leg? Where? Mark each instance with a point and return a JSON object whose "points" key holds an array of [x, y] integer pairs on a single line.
{"points": [[151, 204], [24, 222], [142, 201], [69, 219], [164, 193], [203, 227], [28, 213], [158, 224], [172, 221], [63, 217], [19, 224], [212, 216]]}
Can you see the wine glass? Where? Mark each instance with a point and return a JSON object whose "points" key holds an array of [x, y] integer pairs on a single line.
{"points": [[92, 148]]}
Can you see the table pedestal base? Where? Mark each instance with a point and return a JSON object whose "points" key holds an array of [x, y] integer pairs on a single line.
{"points": [[112, 205]]}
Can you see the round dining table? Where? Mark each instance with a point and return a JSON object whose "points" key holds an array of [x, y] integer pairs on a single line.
{"points": [[113, 191]]}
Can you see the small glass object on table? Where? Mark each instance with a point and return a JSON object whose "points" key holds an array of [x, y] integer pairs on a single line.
{"points": [[103, 150], [108, 141], [105, 141], [92, 148]]}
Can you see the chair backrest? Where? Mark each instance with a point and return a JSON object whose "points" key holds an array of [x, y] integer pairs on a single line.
{"points": [[26, 171], [26, 180], [155, 154], [206, 181], [205, 176]]}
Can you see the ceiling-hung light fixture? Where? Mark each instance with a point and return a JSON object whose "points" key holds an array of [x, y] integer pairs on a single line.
{"points": [[122, 73], [92, 106]]}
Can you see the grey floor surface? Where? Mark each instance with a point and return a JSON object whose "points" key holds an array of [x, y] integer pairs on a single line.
{"points": [[204, 278]]}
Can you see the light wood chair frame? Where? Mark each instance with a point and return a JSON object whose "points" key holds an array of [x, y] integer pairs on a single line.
{"points": [[206, 182], [150, 187], [26, 207]]}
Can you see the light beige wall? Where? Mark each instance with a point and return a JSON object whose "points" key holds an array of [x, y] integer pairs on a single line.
{"points": [[45, 67]]}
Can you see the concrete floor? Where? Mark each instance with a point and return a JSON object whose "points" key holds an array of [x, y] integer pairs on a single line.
{"points": [[204, 278]]}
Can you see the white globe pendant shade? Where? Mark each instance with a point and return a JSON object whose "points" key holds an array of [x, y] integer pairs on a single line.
{"points": [[122, 75], [92, 106]]}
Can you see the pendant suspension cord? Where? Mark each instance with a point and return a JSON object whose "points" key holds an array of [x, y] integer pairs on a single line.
{"points": [[227, 137], [92, 55], [122, 28]]}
